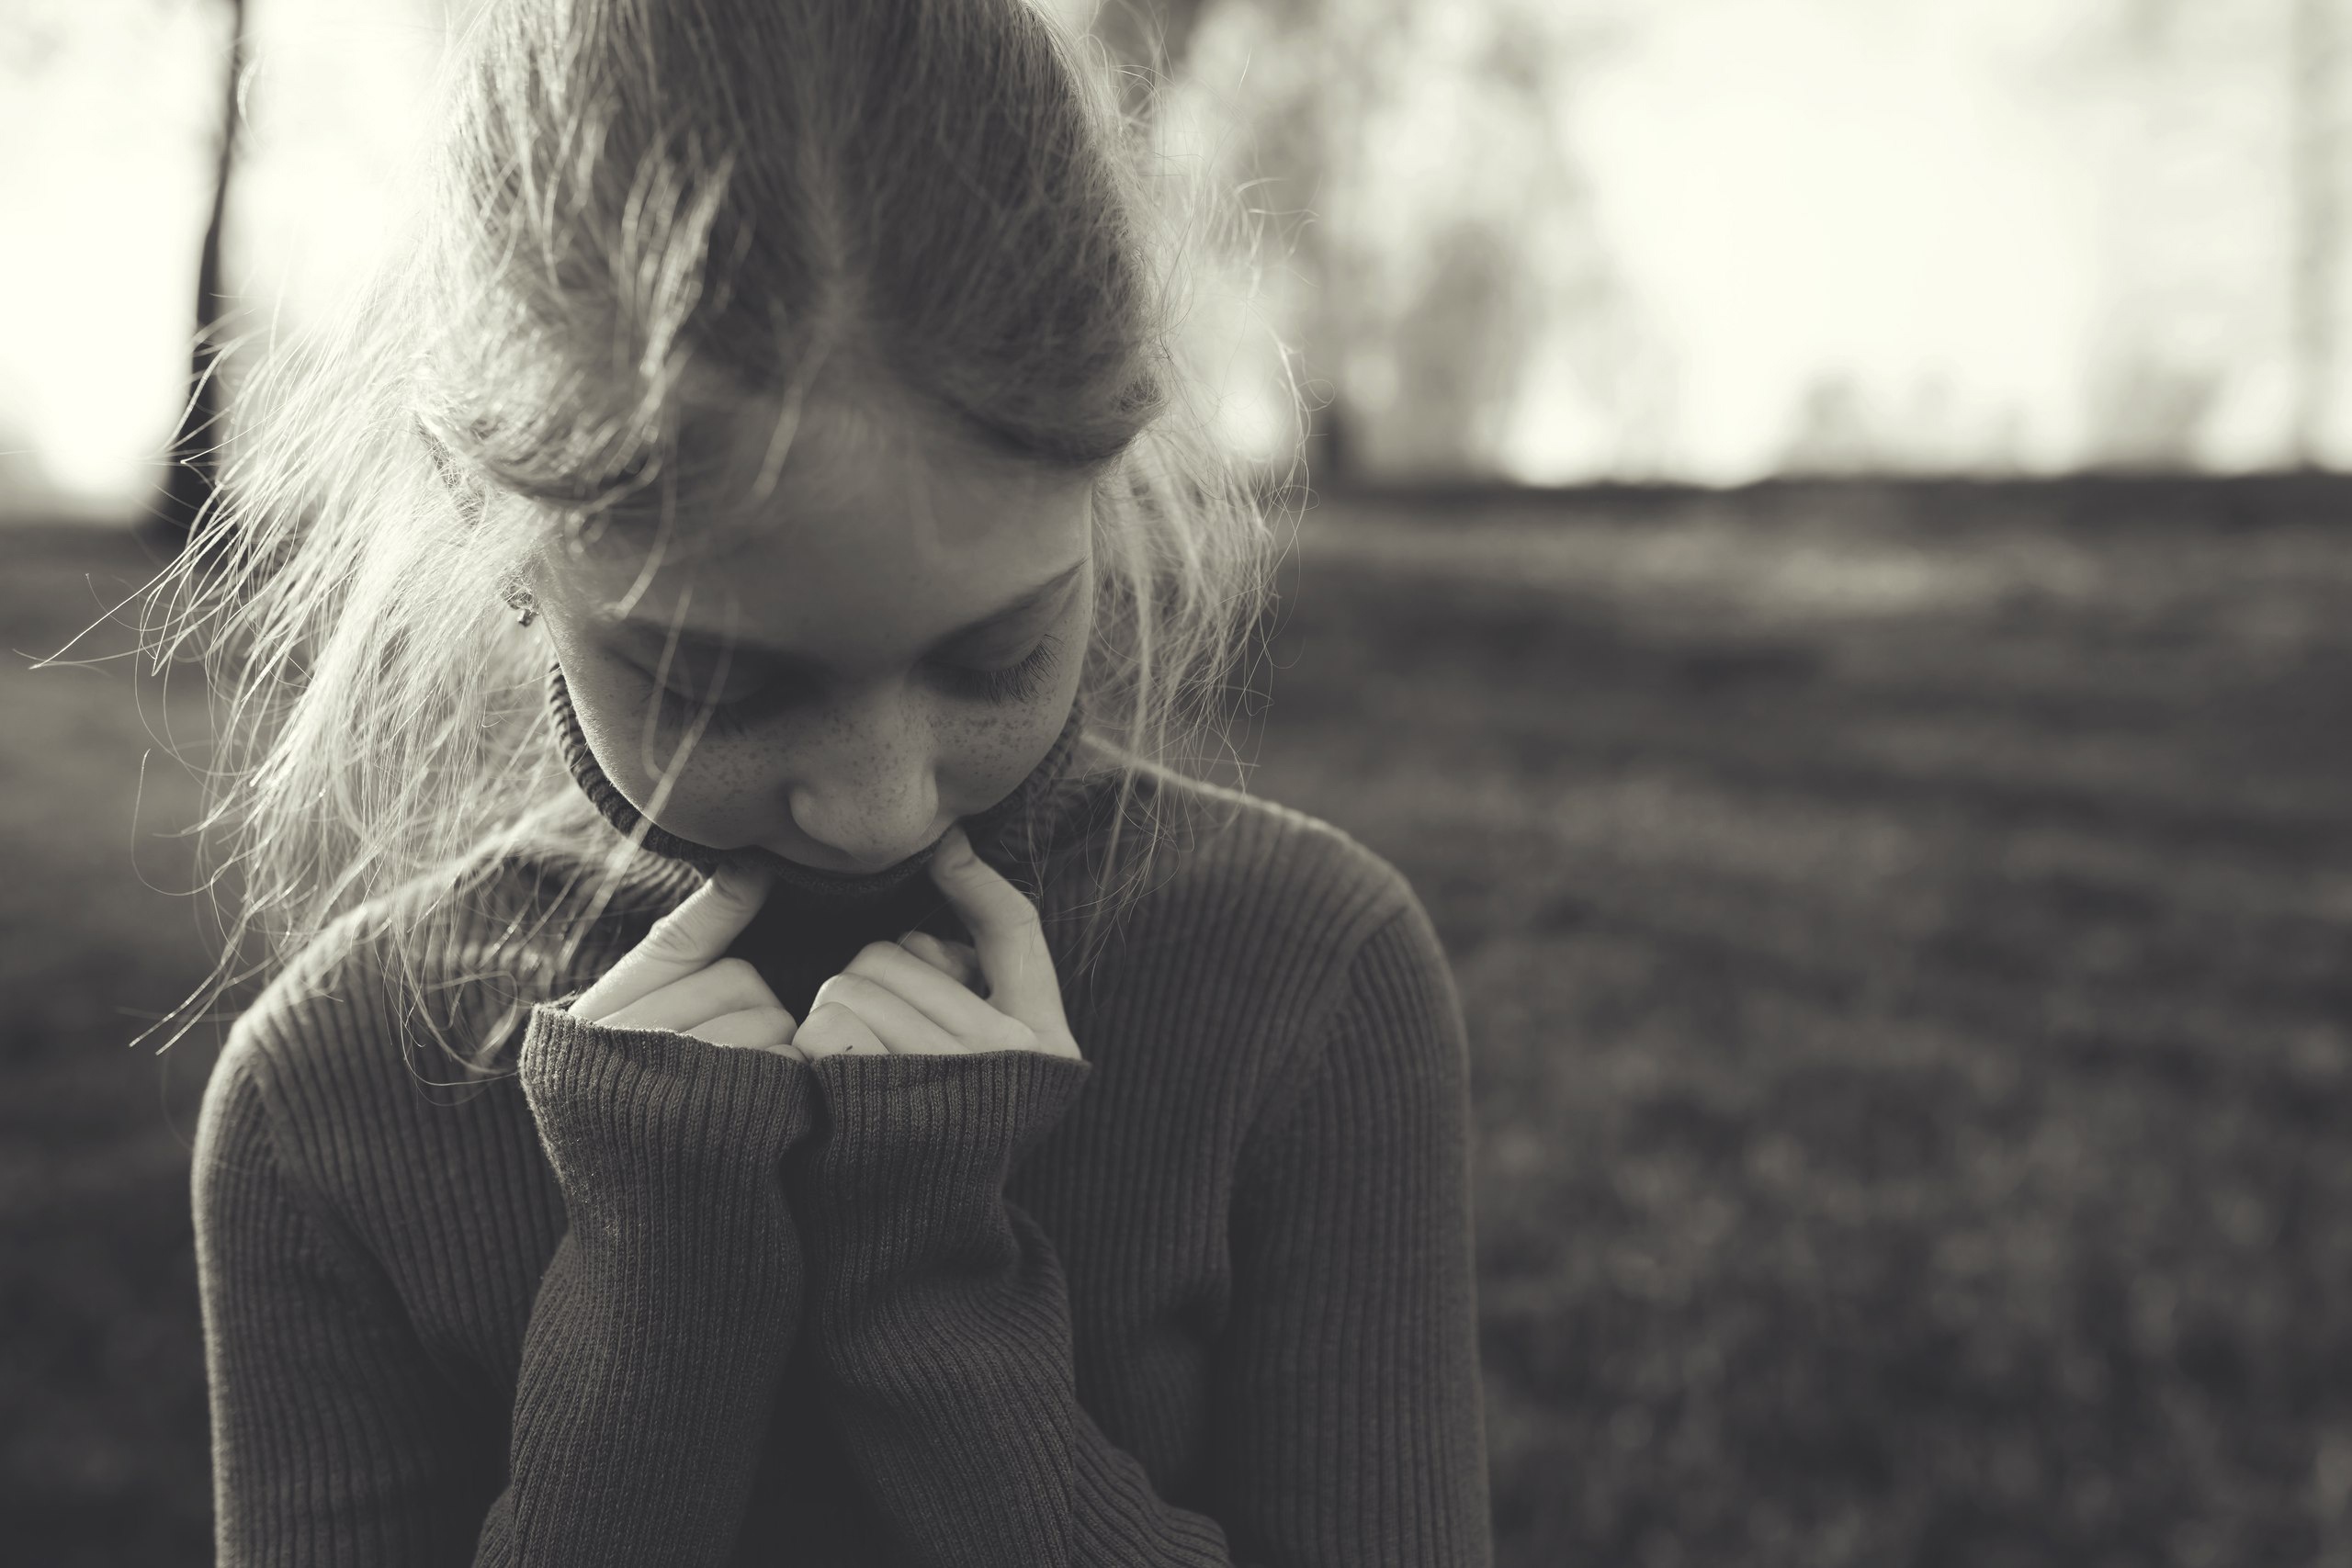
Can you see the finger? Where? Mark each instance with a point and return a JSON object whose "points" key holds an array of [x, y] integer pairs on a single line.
{"points": [[757, 1029], [898, 1024], [946, 1001], [1005, 930], [831, 1030], [687, 939], [728, 986], [957, 960]]}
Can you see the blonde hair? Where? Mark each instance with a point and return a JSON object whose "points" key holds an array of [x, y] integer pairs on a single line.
{"points": [[634, 198]]}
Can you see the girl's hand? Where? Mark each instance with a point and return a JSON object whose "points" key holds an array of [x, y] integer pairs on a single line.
{"points": [[676, 978], [911, 998]]}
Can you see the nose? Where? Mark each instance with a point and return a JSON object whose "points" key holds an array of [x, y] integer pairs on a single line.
{"points": [[866, 786]]}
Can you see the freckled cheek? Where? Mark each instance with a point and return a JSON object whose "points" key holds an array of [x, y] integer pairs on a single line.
{"points": [[634, 754], [982, 761], [725, 795], [732, 789], [986, 752]]}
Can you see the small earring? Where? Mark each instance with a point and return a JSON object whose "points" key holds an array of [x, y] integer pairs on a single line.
{"points": [[519, 598]]}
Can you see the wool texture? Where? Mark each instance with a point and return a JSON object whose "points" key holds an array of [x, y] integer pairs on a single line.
{"points": [[484, 1282]]}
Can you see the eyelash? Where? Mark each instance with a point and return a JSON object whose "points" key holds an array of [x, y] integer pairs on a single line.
{"points": [[1014, 683]]}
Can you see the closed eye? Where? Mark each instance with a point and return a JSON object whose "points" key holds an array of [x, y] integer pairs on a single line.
{"points": [[1013, 682], [1006, 685]]}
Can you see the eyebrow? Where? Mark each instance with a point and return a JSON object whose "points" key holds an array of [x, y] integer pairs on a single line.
{"points": [[1024, 603]]}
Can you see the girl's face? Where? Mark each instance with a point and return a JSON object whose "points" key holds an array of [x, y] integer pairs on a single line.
{"points": [[894, 634]]}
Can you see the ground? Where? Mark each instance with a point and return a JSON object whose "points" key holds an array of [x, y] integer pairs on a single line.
{"points": [[1903, 937]]}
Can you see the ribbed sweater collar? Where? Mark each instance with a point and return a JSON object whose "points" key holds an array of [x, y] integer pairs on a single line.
{"points": [[1009, 835]]}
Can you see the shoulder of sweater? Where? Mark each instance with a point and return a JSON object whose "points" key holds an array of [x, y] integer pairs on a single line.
{"points": [[1259, 868], [449, 958], [1301, 921]]}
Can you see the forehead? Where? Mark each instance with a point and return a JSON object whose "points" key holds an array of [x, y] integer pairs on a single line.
{"points": [[848, 528]]}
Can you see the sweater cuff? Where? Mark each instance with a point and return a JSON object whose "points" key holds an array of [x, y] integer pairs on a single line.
{"points": [[636, 1116], [910, 1132]]}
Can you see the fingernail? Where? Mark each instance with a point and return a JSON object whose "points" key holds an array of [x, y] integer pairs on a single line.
{"points": [[956, 849]]}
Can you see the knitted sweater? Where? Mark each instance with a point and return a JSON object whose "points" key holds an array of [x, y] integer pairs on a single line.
{"points": [[617, 1296]]}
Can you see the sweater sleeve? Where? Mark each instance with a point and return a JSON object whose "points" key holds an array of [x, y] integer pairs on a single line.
{"points": [[649, 1365], [1347, 1415]]}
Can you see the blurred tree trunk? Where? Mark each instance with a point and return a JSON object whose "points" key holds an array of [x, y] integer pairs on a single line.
{"points": [[188, 483]]}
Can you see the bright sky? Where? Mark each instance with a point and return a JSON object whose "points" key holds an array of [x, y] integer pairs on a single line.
{"points": [[1800, 194], [1793, 232], [107, 109], [101, 170], [1967, 221]]}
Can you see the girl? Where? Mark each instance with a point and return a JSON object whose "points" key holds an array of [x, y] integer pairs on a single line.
{"points": [[771, 1068]]}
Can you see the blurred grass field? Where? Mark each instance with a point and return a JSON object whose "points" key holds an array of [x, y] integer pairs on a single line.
{"points": [[1903, 933]]}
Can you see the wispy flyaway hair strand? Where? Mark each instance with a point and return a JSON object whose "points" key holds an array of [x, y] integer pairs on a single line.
{"points": [[634, 211]]}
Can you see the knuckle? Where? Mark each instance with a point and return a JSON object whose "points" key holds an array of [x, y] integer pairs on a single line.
{"points": [[739, 983], [827, 1027], [670, 937], [833, 1027], [771, 1034]]}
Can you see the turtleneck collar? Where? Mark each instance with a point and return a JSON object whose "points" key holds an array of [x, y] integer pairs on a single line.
{"points": [[1005, 834]]}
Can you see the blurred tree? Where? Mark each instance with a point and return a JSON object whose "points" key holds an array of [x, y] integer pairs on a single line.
{"points": [[1457, 350], [194, 470], [2149, 407], [1833, 432], [29, 39], [1416, 145]]}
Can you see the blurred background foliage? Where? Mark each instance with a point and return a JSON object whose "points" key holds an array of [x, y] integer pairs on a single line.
{"points": [[1827, 571], [1531, 240]]}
